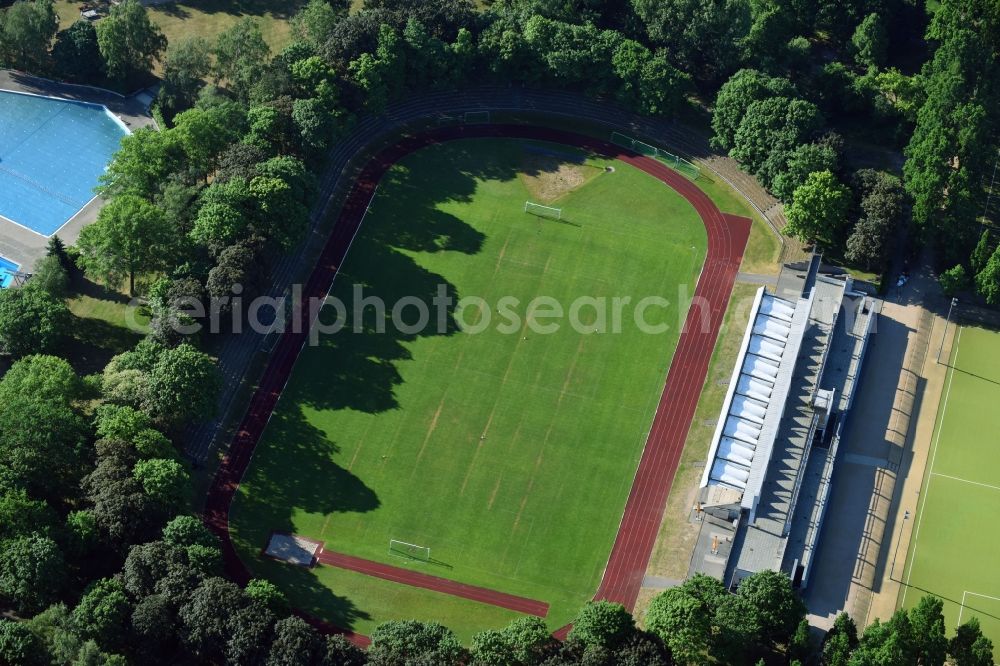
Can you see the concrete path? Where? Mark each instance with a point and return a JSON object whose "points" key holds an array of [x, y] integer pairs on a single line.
{"points": [[659, 582], [881, 467], [757, 278]]}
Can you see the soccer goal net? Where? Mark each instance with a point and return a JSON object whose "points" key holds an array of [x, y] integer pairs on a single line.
{"points": [[542, 211], [675, 162], [476, 117], [410, 551]]}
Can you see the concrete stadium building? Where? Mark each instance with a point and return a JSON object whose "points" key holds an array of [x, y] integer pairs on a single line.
{"points": [[767, 478]]}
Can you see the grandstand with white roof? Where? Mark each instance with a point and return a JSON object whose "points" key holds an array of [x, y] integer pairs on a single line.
{"points": [[766, 482]]}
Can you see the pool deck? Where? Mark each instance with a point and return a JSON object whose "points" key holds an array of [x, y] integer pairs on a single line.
{"points": [[20, 244]]}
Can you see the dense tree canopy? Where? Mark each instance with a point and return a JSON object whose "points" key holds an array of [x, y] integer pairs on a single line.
{"points": [[128, 40]]}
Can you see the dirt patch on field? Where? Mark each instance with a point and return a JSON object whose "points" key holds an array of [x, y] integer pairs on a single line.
{"points": [[549, 177]]}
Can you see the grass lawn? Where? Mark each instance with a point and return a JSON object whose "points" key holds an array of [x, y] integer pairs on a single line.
{"points": [[954, 545], [208, 18], [509, 455], [763, 250], [104, 324]]}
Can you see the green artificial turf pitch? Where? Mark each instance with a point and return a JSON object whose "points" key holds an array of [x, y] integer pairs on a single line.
{"points": [[509, 455], [955, 542]]}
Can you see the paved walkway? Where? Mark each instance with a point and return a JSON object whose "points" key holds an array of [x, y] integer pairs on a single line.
{"points": [[882, 463], [758, 279]]}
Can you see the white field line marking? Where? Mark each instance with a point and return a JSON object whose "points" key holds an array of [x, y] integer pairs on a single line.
{"points": [[956, 478], [927, 491], [961, 608]]}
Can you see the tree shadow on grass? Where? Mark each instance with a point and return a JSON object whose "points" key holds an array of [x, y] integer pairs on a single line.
{"points": [[294, 472], [358, 366], [282, 10], [275, 491]]}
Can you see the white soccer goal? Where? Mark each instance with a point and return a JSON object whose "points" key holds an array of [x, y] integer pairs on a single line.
{"points": [[542, 211], [476, 117], [410, 551]]}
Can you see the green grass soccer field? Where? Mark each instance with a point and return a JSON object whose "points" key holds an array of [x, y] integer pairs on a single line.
{"points": [[953, 553], [508, 454]]}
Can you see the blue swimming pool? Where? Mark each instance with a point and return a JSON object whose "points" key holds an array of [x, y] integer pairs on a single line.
{"points": [[52, 152], [7, 270]]}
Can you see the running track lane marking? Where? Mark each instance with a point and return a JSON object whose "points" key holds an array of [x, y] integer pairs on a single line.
{"points": [[727, 236], [435, 583]]}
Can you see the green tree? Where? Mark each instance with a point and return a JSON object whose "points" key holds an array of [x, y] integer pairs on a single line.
{"points": [[743, 88], [818, 210], [295, 643], [802, 161], [840, 642], [82, 532], [251, 632], [21, 515], [770, 130], [32, 321], [881, 211], [186, 64], [870, 42], [123, 423], [154, 624], [969, 647], [103, 613], [18, 645], [55, 632], [184, 386], [204, 132], [890, 643], [984, 250], [41, 445], [682, 617], [42, 379], [523, 642], [603, 623], [121, 509], [166, 482], [32, 572], [927, 620], [314, 23], [338, 651], [56, 248], [76, 55], [415, 642], [51, 277], [26, 29], [240, 55], [205, 618], [703, 34], [277, 202], [988, 279], [131, 236], [776, 609], [129, 42], [143, 163], [950, 152], [267, 594]]}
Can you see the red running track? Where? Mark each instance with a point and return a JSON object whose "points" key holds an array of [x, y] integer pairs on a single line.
{"points": [[436, 583], [727, 236]]}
